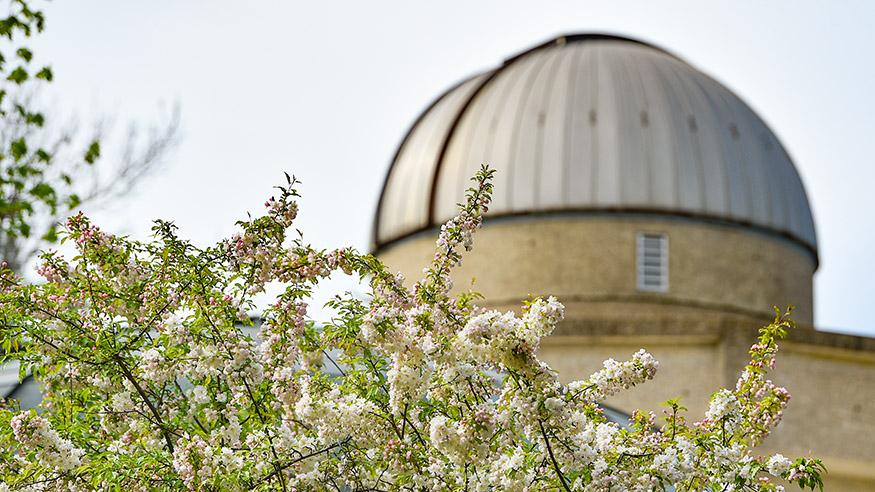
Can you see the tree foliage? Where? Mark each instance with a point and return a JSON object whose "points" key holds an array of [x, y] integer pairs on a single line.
{"points": [[49, 169], [154, 381]]}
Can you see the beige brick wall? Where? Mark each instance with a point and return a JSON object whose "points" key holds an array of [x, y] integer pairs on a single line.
{"points": [[591, 257], [679, 358], [832, 412]]}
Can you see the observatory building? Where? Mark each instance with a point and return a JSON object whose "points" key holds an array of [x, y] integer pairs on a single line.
{"points": [[659, 208]]}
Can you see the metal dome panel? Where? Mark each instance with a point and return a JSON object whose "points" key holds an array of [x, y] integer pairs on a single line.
{"points": [[409, 178], [596, 123]]}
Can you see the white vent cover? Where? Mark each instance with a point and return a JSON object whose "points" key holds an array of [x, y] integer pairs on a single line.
{"points": [[652, 262]]}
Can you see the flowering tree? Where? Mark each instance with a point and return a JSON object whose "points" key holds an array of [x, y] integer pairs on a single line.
{"points": [[151, 382]]}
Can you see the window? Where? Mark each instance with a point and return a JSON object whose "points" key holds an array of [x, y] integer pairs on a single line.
{"points": [[652, 262]]}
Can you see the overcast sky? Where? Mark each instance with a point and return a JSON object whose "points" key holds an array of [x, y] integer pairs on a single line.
{"points": [[326, 90]]}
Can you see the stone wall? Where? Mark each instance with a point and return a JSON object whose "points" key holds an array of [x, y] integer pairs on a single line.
{"points": [[592, 257]]}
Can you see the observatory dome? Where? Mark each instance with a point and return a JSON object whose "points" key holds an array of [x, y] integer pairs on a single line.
{"points": [[595, 123]]}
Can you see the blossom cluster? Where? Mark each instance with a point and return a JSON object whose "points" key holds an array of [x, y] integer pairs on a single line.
{"points": [[154, 379], [617, 376], [50, 449]]}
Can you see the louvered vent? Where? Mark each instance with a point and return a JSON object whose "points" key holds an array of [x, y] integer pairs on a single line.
{"points": [[653, 262]]}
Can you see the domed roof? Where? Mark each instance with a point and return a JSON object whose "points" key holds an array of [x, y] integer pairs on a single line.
{"points": [[595, 123]]}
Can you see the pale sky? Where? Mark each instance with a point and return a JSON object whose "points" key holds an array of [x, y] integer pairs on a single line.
{"points": [[326, 90]]}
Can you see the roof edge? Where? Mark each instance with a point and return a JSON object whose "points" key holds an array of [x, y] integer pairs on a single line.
{"points": [[579, 37]]}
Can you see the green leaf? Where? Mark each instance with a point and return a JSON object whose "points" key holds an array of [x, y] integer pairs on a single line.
{"points": [[73, 201], [51, 235], [45, 73], [19, 75], [43, 156], [93, 152], [25, 54], [35, 119], [43, 191], [18, 148]]}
